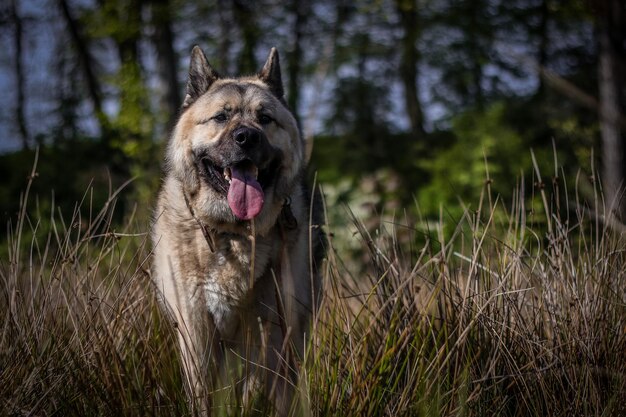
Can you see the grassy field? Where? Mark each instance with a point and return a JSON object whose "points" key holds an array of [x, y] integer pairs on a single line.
{"points": [[516, 309]]}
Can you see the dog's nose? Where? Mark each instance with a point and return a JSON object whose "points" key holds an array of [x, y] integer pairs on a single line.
{"points": [[246, 137]]}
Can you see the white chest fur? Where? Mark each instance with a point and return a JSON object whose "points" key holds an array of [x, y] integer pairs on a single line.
{"points": [[231, 273]]}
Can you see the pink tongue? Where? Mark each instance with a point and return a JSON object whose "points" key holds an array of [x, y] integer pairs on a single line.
{"points": [[245, 195]]}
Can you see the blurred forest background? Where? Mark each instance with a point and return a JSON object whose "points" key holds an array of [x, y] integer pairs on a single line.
{"points": [[406, 100]]}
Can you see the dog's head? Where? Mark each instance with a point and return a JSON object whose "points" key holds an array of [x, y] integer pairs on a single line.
{"points": [[236, 147]]}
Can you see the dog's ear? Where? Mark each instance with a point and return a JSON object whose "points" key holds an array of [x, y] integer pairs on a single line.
{"points": [[201, 76], [270, 74]]}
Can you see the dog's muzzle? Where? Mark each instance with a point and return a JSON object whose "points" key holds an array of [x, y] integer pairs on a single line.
{"points": [[241, 167]]}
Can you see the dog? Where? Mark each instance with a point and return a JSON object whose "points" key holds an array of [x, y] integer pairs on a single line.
{"points": [[237, 238]]}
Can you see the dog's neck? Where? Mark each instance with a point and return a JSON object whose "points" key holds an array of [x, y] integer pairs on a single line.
{"points": [[286, 221], [209, 235]]}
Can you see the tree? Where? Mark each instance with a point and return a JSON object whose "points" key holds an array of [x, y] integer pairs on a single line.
{"points": [[409, 58], [87, 64], [300, 9], [610, 23], [19, 74], [163, 39], [245, 18], [458, 46]]}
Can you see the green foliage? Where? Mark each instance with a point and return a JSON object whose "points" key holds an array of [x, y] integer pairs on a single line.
{"points": [[76, 171], [480, 300], [350, 55], [132, 132], [486, 150], [117, 19], [134, 118]]}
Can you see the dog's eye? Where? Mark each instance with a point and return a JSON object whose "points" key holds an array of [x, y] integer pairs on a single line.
{"points": [[220, 117], [264, 119]]}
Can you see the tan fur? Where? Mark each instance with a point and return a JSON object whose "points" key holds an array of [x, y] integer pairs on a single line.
{"points": [[225, 297]]}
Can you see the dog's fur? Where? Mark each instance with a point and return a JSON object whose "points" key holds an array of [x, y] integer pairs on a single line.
{"points": [[232, 284]]}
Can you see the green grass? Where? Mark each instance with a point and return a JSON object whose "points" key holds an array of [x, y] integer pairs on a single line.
{"points": [[518, 311]]}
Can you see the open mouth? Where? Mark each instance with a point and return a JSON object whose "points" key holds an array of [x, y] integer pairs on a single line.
{"points": [[243, 183]]}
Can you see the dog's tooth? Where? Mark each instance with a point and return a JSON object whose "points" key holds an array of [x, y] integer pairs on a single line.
{"points": [[227, 174], [255, 171]]}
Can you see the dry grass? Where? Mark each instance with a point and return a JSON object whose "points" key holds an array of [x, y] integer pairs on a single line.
{"points": [[518, 312]]}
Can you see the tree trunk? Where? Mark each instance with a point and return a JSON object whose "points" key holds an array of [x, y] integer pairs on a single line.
{"points": [[544, 42], [87, 65], [133, 96], [166, 58], [610, 86], [407, 10], [128, 37], [19, 74], [244, 17], [476, 51], [300, 11], [224, 42]]}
